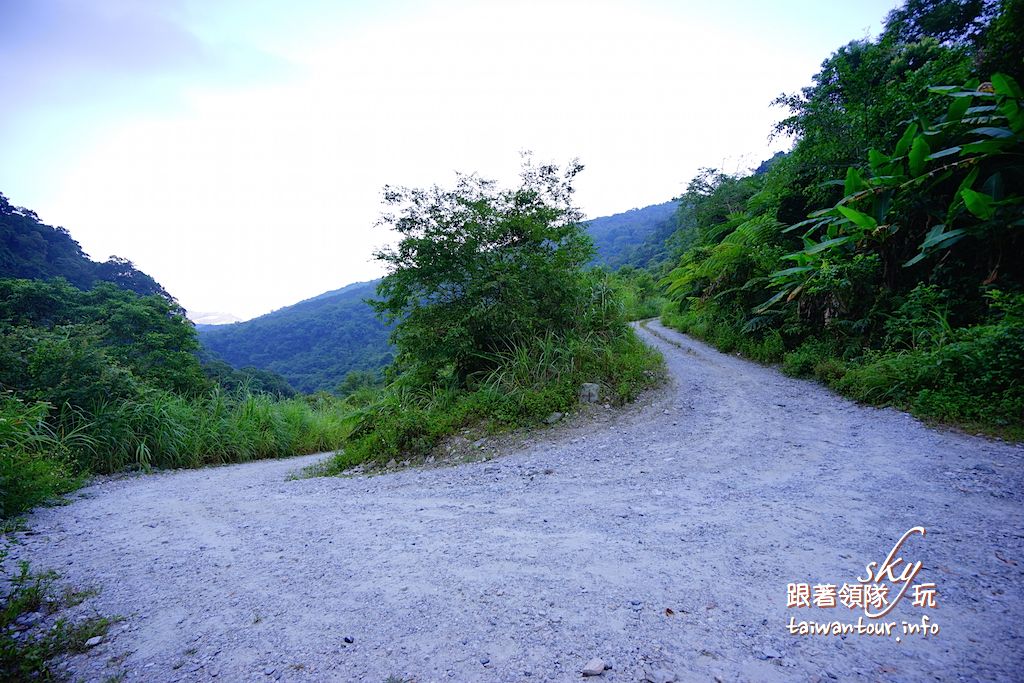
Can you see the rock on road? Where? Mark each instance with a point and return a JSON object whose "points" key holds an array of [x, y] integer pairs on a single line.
{"points": [[660, 539]]}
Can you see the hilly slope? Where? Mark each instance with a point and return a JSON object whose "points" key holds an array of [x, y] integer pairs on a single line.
{"points": [[636, 237], [313, 344], [316, 342], [32, 250]]}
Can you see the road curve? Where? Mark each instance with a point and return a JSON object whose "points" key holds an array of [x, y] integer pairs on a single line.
{"points": [[660, 538]]}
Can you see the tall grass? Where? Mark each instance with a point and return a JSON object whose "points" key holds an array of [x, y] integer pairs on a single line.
{"points": [[164, 430], [526, 383], [36, 461], [47, 452]]}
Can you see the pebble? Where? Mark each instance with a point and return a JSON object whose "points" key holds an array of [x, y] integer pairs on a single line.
{"points": [[94, 641], [595, 667]]}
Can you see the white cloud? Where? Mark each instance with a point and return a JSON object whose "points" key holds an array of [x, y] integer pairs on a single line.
{"points": [[250, 198]]}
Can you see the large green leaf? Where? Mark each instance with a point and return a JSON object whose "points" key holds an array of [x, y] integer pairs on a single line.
{"points": [[1005, 85], [993, 132], [829, 244], [908, 137], [918, 154], [949, 151], [854, 181], [860, 219], [978, 203]]}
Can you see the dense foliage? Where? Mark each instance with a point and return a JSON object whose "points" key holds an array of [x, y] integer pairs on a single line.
{"points": [[496, 319], [634, 238], [882, 255], [316, 344], [313, 344], [30, 249]]}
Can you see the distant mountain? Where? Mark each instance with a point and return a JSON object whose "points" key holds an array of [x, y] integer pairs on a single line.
{"points": [[316, 342], [32, 250], [212, 318], [636, 237], [313, 344]]}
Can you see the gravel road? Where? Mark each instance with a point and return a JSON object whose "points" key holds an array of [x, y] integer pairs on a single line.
{"points": [[660, 538]]}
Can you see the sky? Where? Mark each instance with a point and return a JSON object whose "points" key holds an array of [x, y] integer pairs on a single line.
{"points": [[236, 150]]}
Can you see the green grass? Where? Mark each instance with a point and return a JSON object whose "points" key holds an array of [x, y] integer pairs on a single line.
{"points": [[48, 453], [29, 657], [527, 383]]}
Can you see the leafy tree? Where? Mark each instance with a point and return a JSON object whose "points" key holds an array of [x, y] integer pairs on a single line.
{"points": [[480, 268]]}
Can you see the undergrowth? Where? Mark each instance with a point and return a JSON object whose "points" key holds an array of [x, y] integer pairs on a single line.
{"points": [[26, 650], [969, 376], [527, 383]]}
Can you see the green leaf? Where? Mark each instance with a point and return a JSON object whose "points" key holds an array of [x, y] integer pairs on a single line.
{"points": [[957, 108], [937, 237], [949, 151], [987, 146], [877, 160], [1005, 85], [918, 154], [862, 220], [829, 244], [993, 186], [787, 272], [772, 301], [854, 182], [993, 132], [978, 203], [908, 137]]}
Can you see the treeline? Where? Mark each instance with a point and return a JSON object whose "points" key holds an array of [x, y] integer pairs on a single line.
{"points": [[882, 255], [30, 249]]}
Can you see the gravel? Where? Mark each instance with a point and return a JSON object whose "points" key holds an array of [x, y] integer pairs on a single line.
{"points": [[661, 537]]}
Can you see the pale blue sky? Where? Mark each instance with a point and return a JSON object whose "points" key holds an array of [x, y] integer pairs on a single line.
{"points": [[235, 149]]}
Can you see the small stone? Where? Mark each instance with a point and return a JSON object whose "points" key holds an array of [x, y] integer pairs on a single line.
{"points": [[595, 667], [349, 639], [553, 418], [479, 443], [590, 393], [94, 641], [485, 660], [770, 653], [392, 464], [269, 671]]}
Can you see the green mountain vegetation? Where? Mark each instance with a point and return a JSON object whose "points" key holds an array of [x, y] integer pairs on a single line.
{"points": [[101, 371], [497, 319], [30, 249], [314, 344], [883, 254], [637, 237]]}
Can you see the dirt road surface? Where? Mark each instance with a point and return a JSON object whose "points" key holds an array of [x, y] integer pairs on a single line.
{"points": [[660, 538]]}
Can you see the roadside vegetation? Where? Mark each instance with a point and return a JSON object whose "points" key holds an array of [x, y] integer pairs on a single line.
{"points": [[497, 319], [106, 380], [30, 639], [881, 256]]}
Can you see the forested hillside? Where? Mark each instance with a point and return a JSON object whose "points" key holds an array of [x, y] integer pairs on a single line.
{"points": [[316, 343], [637, 237], [100, 370], [883, 255], [30, 249]]}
